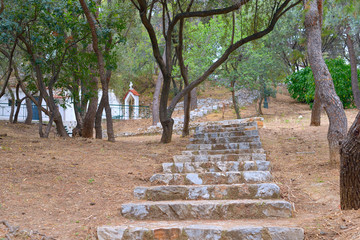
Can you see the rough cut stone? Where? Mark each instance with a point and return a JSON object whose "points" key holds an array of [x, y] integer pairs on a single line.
{"points": [[225, 146], [208, 192], [199, 232], [215, 166], [225, 140], [207, 209], [211, 178]]}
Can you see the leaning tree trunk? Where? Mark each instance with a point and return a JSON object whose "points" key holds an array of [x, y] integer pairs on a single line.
{"points": [[323, 79], [349, 168], [316, 110], [29, 111], [354, 73], [89, 119]]}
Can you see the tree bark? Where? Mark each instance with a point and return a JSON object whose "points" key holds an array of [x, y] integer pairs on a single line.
{"points": [[193, 103], [349, 168], [316, 110], [11, 117], [235, 102], [353, 64], [89, 120], [323, 79], [29, 111], [187, 103], [156, 97]]}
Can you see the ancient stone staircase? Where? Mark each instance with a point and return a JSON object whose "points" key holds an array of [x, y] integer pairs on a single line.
{"points": [[220, 184]]}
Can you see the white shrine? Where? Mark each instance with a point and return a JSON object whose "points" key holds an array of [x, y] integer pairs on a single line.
{"points": [[133, 95]]}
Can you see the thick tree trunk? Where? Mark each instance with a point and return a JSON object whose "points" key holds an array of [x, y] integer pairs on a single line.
{"points": [[165, 116], [349, 168], [193, 102], [323, 79], [167, 130], [354, 73], [316, 110], [235, 102], [29, 111], [187, 103], [89, 120], [98, 119]]}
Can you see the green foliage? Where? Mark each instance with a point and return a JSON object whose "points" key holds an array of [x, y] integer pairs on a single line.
{"points": [[301, 84]]}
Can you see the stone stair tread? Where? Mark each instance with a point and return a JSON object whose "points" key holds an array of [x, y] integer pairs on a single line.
{"points": [[215, 166], [227, 151], [228, 139], [211, 178], [201, 230], [207, 209], [220, 157], [225, 146], [209, 192]]}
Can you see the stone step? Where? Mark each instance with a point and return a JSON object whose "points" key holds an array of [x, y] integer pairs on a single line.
{"points": [[208, 192], [225, 146], [202, 230], [211, 178], [227, 125], [220, 157], [228, 129], [218, 152], [215, 166], [226, 134], [207, 209], [225, 140]]}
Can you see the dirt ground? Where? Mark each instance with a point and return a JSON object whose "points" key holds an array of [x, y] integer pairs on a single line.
{"points": [[65, 188]]}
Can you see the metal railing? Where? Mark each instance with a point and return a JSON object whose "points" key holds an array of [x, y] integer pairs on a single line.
{"points": [[117, 111]]}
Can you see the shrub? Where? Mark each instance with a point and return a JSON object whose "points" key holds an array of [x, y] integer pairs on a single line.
{"points": [[301, 84]]}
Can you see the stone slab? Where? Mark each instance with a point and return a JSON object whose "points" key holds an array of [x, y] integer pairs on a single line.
{"points": [[207, 140], [215, 166], [211, 178], [220, 157], [207, 209], [224, 146], [201, 231], [226, 134], [208, 192], [226, 151]]}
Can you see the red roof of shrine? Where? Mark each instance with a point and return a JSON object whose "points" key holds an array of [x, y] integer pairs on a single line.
{"points": [[133, 91]]}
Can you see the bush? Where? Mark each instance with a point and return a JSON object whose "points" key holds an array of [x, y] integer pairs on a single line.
{"points": [[301, 84]]}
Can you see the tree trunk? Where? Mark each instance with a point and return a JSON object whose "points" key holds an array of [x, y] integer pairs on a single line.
{"points": [[41, 133], [187, 103], [316, 110], [323, 79], [11, 117], [29, 111], [235, 102], [349, 168], [89, 120], [193, 103], [167, 130], [156, 97], [259, 105], [354, 73]]}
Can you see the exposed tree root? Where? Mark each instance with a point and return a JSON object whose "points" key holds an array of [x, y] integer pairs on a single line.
{"points": [[13, 232]]}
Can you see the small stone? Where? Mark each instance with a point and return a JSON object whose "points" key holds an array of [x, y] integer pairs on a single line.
{"points": [[92, 204], [343, 227]]}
